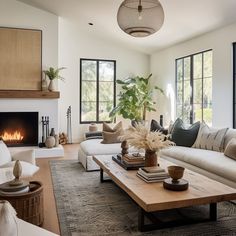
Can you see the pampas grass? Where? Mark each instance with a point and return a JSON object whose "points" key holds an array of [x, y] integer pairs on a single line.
{"points": [[141, 137]]}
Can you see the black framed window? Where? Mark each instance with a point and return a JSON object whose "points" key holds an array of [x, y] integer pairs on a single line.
{"points": [[97, 89], [194, 87], [234, 85]]}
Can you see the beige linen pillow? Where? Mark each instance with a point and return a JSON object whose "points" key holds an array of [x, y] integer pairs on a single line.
{"points": [[111, 137], [107, 128], [210, 139], [230, 150]]}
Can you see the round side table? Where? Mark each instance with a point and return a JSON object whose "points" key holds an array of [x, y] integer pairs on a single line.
{"points": [[29, 206]]}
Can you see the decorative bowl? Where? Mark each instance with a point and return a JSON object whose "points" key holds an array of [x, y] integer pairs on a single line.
{"points": [[176, 172]]}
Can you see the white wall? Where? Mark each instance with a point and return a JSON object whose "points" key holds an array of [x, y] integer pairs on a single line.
{"points": [[75, 44], [20, 15], [163, 67]]}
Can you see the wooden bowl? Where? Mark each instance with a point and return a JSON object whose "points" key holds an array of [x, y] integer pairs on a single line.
{"points": [[175, 172]]}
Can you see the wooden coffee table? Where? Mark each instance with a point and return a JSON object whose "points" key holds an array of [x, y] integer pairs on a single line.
{"points": [[153, 197]]}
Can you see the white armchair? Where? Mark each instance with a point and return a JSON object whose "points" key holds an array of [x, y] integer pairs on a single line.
{"points": [[7, 162]]}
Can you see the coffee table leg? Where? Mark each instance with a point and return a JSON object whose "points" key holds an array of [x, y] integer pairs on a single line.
{"points": [[213, 211], [157, 224], [102, 180]]}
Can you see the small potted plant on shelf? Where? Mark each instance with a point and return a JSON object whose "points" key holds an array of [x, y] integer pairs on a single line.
{"points": [[53, 74]]}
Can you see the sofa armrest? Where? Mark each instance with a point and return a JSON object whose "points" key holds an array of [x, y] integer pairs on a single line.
{"points": [[27, 156], [6, 174]]}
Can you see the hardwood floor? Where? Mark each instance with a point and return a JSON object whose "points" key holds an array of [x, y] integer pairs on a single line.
{"points": [[44, 175]]}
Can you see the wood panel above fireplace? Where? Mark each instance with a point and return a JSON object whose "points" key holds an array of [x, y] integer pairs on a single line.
{"points": [[29, 94]]}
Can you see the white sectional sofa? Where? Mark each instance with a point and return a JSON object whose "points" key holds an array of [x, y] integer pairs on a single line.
{"points": [[213, 164]]}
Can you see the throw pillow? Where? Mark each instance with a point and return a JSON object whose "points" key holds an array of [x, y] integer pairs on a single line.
{"points": [[183, 136], [5, 155], [230, 150], [210, 139], [107, 128], [155, 126], [111, 137]]}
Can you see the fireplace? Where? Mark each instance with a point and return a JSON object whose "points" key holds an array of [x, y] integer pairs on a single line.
{"points": [[19, 128]]}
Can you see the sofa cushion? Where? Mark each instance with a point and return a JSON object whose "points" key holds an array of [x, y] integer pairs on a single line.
{"points": [[111, 137], [184, 136], [230, 150], [231, 133], [5, 155], [210, 139], [6, 174], [107, 128], [212, 161], [95, 147], [155, 126], [28, 170]]}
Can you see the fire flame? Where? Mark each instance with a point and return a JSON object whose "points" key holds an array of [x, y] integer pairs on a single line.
{"points": [[16, 136]]}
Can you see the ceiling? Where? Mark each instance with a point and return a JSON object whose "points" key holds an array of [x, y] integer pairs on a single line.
{"points": [[184, 19]]}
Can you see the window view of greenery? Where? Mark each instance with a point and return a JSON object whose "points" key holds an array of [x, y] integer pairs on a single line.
{"points": [[97, 90], [194, 87]]}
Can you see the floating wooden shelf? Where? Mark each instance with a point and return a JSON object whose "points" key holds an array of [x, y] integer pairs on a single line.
{"points": [[29, 94]]}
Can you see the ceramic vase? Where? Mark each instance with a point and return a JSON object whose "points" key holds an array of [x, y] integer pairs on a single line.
{"points": [[52, 86], [93, 127], [150, 158], [44, 85], [50, 142], [52, 133]]}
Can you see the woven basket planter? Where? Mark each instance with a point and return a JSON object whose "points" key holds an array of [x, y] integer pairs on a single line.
{"points": [[29, 206]]}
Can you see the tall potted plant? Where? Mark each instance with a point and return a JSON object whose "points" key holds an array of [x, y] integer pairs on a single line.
{"points": [[53, 74], [135, 98]]}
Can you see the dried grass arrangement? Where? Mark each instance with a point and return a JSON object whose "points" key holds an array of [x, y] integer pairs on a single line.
{"points": [[141, 137]]}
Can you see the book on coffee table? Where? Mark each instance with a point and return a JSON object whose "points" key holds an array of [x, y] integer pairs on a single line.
{"points": [[152, 176]]}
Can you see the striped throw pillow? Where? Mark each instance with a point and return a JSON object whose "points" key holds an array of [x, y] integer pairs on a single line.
{"points": [[210, 139]]}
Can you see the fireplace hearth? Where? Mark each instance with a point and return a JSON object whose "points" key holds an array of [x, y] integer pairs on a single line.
{"points": [[19, 128]]}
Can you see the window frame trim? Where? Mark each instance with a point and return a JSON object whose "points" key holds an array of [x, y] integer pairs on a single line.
{"points": [[97, 90], [191, 118], [234, 85]]}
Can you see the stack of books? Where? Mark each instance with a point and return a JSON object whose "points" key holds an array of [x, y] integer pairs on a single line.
{"points": [[152, 174], [130, 159]]}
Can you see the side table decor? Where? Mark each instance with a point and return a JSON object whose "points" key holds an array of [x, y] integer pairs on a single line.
{"points": [[141, 137]]}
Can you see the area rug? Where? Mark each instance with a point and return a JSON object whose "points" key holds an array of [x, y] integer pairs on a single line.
{"points": [[87, 207]]}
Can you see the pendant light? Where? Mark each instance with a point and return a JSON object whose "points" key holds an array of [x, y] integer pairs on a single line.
{"points": [[140, 18]]}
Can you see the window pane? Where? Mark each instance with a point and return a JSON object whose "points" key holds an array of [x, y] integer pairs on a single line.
{"points": [[207, 113], [207, 64], [89, 70], [88, 110], [186, 114], [197, 66], [106, 91], [89, 91], [197, 112], [179, 111], [180, 70], [207, 90], [104, 110], [197, 94], [179, 92], [187, 68], [187, 92], [106, 71]]}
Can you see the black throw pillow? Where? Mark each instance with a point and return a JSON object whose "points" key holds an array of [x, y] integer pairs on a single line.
{"points": [[155, 126], [183, 136]]}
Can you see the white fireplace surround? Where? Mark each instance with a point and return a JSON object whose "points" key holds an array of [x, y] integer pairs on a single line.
{"points": [[45, 107]]}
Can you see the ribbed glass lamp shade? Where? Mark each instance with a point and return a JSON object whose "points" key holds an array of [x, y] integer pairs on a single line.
{"points": [[140, 18]]}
